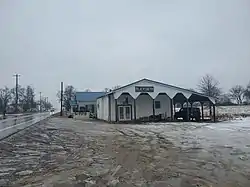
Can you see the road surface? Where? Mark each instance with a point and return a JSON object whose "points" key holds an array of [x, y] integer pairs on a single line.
{"points": [[69, 153]]}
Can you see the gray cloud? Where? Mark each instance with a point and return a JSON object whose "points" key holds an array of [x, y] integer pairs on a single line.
{"points": [[97, 44]]}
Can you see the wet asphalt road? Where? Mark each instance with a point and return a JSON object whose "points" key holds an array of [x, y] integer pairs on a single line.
{"points": [[66, 152]]}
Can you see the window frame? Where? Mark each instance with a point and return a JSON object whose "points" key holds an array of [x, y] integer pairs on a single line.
{"points": [[157, 104]]}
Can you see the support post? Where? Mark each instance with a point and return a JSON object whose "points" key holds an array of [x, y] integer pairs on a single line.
{"points": [[174, 108], [172, 112], [153, 109], [214, 113], [210, 110], [202, 111], [134, 109], [116, 111], [191, 109], [187, 111]]}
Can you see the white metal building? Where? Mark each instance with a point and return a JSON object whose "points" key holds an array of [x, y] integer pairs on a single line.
{"points": [[145, 98]]}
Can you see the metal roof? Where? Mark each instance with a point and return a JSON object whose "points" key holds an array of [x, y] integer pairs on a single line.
{"points": [[88, 96], [156, 82]]}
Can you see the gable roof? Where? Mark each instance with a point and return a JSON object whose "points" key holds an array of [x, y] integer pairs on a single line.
{"points": [[88, 96], [156, 82]]}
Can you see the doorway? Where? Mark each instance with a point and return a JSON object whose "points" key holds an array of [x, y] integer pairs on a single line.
{"points": [[124, 113]]}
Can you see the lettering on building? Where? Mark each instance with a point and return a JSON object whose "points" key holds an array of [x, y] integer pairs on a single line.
{"points": [[144, 89]]}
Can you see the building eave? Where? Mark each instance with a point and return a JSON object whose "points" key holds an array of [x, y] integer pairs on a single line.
{"points": [[163, 84]]}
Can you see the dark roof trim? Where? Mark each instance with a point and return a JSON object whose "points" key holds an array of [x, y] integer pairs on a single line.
{"points": [[184, 89], [156, 82]]}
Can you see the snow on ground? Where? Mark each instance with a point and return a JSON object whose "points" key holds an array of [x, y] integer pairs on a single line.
{"points": [[228, 111], [234, 110], [67, 152]]}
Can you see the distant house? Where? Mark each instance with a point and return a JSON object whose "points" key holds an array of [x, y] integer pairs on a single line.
{"points": [[86, 101]]}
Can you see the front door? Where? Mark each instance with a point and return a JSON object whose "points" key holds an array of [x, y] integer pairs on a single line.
{"points": [[124, 113]]}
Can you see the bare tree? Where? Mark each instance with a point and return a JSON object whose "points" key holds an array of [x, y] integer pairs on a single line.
{"points": [[224, 99], [29, 99], [46, 104], [237, 93], [21, 96], [247, 92], [5, 97], [209, 86], [68, 96]]}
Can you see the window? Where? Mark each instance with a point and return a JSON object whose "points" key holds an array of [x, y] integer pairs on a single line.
{"points": [[157, 104]]}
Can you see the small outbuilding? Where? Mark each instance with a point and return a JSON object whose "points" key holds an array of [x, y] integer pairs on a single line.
{"points": [[86, 101], [147, 99]]}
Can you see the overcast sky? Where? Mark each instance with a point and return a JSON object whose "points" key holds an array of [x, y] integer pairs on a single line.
{"points": [[96, 44]]}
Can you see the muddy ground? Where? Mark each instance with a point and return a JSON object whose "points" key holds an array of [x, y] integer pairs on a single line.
{"points": [[67, 152]]}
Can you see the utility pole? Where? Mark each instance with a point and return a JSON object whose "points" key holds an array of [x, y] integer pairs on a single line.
{"points": [[47, 103], [16, 106], [61, 113], [40, 101]]}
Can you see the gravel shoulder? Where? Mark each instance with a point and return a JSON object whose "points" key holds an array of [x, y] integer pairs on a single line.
{"points": [[66, 152]]}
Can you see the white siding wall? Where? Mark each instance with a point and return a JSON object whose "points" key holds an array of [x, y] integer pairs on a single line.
{"points": [[102, 110], [112, 108], [105, 108], [165, 106], [99, 105], [144, 106]]}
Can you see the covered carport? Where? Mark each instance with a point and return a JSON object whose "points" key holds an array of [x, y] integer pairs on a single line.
{"points": [[195, 97]]}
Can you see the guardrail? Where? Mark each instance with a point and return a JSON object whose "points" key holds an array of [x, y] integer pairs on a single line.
{"points": [[18, 116], [13, 125]]}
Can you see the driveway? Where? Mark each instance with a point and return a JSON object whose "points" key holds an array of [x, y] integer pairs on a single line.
{"points": [[67, 152]]}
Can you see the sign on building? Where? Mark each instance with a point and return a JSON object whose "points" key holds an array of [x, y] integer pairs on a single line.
{"points": [[144, 89]]}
